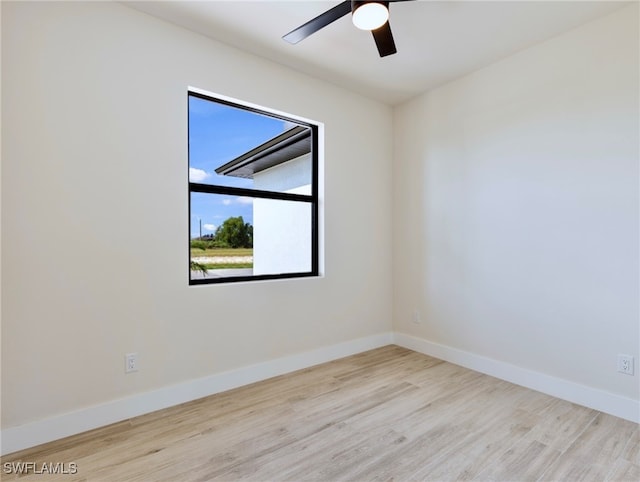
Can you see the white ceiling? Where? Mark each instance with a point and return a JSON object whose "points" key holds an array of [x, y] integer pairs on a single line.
{"points": [[437, 41]]}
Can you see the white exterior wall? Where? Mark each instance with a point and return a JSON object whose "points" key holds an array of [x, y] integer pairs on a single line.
{"points": [[282, 229]]}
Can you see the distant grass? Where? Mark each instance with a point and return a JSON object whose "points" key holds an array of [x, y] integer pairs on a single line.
{"points": [[223, 252], [197, 253], [228, 265]]}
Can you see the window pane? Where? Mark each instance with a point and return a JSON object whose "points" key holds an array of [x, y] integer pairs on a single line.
{"points": [[235, 236], [230, 146], [221, 236], [281, 236]]}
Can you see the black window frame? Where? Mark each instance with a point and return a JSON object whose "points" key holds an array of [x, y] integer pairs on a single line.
{"points": [[312, 199]]}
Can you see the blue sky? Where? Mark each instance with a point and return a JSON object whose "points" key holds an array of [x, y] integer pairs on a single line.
{"points": [[217, 134]]}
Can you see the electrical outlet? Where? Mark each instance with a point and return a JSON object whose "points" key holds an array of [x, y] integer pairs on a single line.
{"points": [[131, 362], [625, 364]]}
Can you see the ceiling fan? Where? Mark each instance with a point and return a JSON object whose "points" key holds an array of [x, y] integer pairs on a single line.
{"points": [[370, 15]]}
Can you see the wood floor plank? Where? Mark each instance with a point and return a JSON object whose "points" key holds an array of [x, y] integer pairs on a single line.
{"points": [[593, 454], [525, 461], [561, 423], [624, 471], [386, 414], [631, 452], [477, 450]]}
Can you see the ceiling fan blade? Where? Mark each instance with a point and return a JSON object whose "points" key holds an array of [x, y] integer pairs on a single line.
{"points": [[321, 21], [384, 40]]}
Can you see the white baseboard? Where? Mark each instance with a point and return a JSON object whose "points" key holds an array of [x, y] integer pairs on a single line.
{"points": [[60, 426], [606, 402]]}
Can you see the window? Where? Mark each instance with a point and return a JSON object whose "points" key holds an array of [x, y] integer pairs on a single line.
{"points": [[253, 193]]}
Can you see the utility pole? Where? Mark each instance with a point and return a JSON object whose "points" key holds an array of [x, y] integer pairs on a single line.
{"points": [[200, 220]]}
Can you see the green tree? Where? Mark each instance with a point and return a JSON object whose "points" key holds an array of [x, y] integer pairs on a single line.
{"points": [[235, 233]]}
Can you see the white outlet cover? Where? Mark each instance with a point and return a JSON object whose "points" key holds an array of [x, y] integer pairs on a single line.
{"points": [[131, 362], [625, 364]]}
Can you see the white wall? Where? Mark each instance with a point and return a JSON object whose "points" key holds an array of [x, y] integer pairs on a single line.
{"points": [[516, 208], [94, 199]]}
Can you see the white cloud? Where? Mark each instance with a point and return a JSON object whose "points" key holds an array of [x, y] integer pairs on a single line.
{"points": [[244, 200], [237, 200], [209, 227], [197, 175]]}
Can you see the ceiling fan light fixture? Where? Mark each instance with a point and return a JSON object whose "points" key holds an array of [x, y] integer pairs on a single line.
{"points": [[369, 15]]}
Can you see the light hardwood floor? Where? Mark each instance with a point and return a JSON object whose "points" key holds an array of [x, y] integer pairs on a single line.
{"points": [[387, 414]]}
